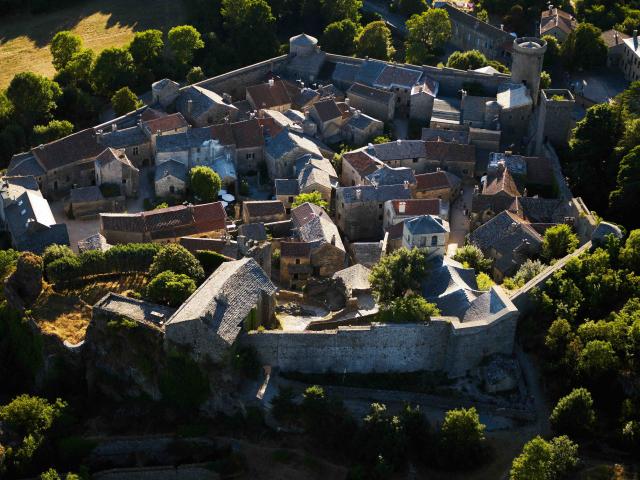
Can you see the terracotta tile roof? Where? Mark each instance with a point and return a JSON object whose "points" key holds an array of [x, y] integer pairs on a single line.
{"points": [[78, 146], [245, 134], [295, 249], [267, 96], [152, 114], [501, 182], [613, 37], [166, 124], [361, 162], [450, 152], [421, 206], [261, 208], [209, 216], [436, 181]]}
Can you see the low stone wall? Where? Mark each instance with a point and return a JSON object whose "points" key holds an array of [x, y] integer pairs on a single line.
{"points": [[181, 472], [443, 344]]}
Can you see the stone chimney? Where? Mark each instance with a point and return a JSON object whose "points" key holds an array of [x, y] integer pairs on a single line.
{"points": [[333, 239], [189, 106], [358, 193], [114, 127], [402, 207], [635, 39], [271, 82], [406, 184]]}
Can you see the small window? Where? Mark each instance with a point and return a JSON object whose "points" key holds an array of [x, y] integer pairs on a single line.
{"points": [[124, 181], [297, 261], [415, 160], [172, 189], [136, 151], [434, 241], [290, 199], [379, 217], [295, 276]]}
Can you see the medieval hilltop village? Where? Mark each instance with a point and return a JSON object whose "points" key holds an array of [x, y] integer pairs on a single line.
{"points": [[292, 281]]}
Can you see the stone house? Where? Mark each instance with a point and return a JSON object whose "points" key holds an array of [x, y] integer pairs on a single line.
{"points": [[30, 221], [113, 167], [375, 102], [469, 33], [246, 140], [202, 107], [397, 211], [165, 225], [457, 158], [516, 105], [237, 297], [286, 190], [391, 176], [329, 116], [170, 180], [401, 80], [509, 241], [360, 209], [164, 125], [87, 202], [401, 153], [557, 23], [361, 128], [263, 211], [295, 263], [440, 184], [614, 40], [164, 92], [356, 166], [133, 140], [428, 232], [13, 187], [276, 95], [285, 149], [313, 225]]}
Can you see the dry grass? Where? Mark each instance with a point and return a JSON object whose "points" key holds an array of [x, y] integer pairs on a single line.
{"points": [[67, 313], [24, 40]]}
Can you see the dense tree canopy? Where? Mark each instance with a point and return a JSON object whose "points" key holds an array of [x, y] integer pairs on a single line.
{"points": [[584, 48], [409, 309], [205, 183], [184, 41], [53, 130], [624, 198], [472, 257], [428, 32], [177, 259], [462, 439], [339, 37], [558, 241], [251, 26], [311, 197], [574, 414], [146, 48], [113, 69], [124, 101], [33, 97], [64, 45], [545, 460], [397, 273], [169, 288], [411, 7], [374, 41]]}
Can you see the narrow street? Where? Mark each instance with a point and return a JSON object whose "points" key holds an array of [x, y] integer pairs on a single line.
{"points": [[458, 221]]}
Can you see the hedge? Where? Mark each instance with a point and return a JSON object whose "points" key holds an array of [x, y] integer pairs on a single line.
{"points": [[132, 257], [210, 260]]}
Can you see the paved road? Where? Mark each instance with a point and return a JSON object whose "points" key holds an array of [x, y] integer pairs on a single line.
{"points": [[459, 222], [395, 22]]}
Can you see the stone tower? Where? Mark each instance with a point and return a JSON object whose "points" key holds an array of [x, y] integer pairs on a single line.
{"points": [[526, 67]]}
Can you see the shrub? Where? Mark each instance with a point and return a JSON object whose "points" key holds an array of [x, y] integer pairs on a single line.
{"points": [[311, 197], [170, 288], [397, 273], [210, 260], [545, 460], [8, 260], [574, 414], [558, 241], [409, 309], [55, 252], [462, 440], [484, 281], [472, 257], [179, 260]]}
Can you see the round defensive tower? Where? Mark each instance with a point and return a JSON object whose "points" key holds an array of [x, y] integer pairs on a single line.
{"points": [[302, 45], [526, 67]]}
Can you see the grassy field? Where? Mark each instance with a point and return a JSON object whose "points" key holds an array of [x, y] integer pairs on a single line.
{"points": [[67, 313], [24, 40]]}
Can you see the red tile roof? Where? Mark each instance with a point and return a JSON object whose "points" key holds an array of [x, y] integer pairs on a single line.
{"points": [[395, 231], [210, 216], [361, 162], [269, 96], [422, 206], [245, 134], [166, 124], [502, 182]]}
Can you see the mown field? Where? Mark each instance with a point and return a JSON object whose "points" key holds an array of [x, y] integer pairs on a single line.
{"points": [[24, 40]]}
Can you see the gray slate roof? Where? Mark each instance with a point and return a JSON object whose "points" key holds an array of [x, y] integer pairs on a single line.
{"points": [[391, 176], [355, 278], [179, 142], [399, 150], [253, 231], [287, 186], [425, 225], [25, 164], [126, 137], [369, 193], [287, 141], [202, 101], [171, 168], [366, 253], [85, 194], [225, 299]]}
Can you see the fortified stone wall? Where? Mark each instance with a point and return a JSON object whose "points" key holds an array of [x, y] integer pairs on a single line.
{"points": [[444, 344], [452, 80]]}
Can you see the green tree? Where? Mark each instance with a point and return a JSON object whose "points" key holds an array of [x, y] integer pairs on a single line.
{"points": [[195, 75], [627, 192], [125, 101], [468, 60], [184, 40], [630, 253], [462, 440], [482, 15], [311, 197], [558, 337], [8, 260], [64, 45], [252, 28], [381, 139], [113, 69], [205, 183], [55, 252], [584, 48], [597, 360], [52, 474], [574, 414], [470, 256], [552, 54], [558, 241], [545, 80], [169, 288], [374, 41], [54, 130], [427, 34], [78, 70], [33, 97], [146, 48], [336, 10], [542, 460], [409, 309], [177, 259], [484, 281], [339, 37], [411, 7], [397, 273]]}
